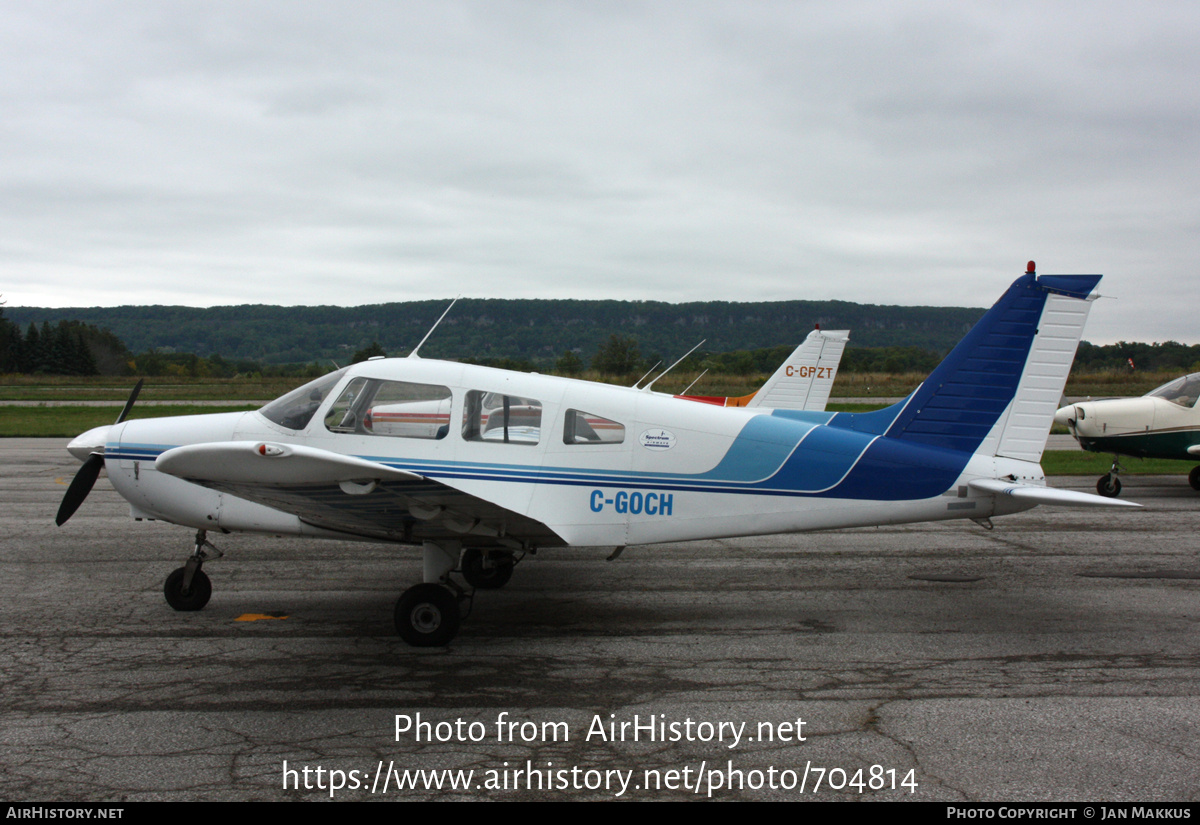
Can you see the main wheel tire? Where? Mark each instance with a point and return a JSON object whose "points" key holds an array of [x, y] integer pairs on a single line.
{"points": [[1194, 478], [1109, 486], [194, 598], [427, 615], [490, 577]]}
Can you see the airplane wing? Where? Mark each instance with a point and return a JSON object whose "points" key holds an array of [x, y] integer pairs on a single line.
{"points": [[1046, 495], [353, 495]]}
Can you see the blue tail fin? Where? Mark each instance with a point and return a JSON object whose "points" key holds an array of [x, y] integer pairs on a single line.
{"points": [[1002, 383]]}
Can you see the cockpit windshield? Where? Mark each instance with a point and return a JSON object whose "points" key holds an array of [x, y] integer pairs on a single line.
{"points": [[1182, 391], [297, 408]]}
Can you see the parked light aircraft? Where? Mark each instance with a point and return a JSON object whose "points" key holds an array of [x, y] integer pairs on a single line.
{"points": [[1163, 423], [514, 461]]}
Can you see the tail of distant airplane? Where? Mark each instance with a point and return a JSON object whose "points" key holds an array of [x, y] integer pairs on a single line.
{"points": [[996, 392], [802, 382], [805, 379]]}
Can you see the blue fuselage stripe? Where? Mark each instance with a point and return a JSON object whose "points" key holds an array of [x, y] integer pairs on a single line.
{"points": [[771, 456]]}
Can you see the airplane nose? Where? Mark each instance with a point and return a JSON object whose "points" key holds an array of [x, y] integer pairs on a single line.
{"points": [[1065, 415], [89, 443]]}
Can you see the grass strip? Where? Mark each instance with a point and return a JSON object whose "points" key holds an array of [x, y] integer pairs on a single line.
{"points": [[1079, 463], [68, 422]]}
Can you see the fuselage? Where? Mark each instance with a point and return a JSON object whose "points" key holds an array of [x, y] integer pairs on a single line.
{"points": [[597, 464]]}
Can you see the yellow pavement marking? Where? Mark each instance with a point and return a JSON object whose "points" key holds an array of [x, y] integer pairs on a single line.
{"points": [[256, 617]]}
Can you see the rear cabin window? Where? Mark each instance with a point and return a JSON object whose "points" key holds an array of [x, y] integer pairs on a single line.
{"points": [[581, 427], [403, 409], [499, 418]]}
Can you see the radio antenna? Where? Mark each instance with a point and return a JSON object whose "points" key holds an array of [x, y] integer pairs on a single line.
{"points": [[673, 366], [643, 378], [694, 383], [413, 354]]}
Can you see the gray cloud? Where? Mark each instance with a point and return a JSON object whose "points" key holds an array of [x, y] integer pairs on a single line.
{"points": [[297, 153]]}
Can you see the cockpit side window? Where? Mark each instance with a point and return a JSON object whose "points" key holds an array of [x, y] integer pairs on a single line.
{"points": [[344, 415], [403, 409], [507, 419], [297, 408]]}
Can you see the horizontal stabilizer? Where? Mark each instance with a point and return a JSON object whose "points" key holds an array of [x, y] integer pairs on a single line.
{"points": [[270, 463], [1045, 495]]}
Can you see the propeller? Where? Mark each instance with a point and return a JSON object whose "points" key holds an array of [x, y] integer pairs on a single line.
{"points": [[81, 485]]}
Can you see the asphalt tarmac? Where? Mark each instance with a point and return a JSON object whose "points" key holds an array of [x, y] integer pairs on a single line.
{"points": [[1053, 658]]}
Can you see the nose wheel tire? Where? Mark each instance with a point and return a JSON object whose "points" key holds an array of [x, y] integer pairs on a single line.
{"points": [[1194, 478], [194, 598], [427, 615], [1109, 486]]}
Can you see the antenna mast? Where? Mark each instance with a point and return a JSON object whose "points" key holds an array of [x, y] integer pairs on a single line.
{"points": [[673, 366], [413, 354]]}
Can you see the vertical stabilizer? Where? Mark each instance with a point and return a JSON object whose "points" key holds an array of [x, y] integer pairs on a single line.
{"points": [[805, 379], [997, 391]]}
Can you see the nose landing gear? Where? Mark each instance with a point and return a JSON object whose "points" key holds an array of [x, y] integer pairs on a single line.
{"points": [[188, 588], [1109, 485]]}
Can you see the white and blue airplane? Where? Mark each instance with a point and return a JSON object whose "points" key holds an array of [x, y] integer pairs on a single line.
{"points": [[480, 466]]}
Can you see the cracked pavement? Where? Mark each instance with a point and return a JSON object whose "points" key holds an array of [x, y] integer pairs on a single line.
{"points": [[1059, 664]]}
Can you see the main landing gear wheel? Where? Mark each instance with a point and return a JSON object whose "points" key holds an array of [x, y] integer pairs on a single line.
{"points": [[1109, 485], [1194, 478], [194, 597], [427, 615], [487, 573]]}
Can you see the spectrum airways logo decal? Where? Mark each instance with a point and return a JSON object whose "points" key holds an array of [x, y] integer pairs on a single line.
{"points": [[657, 439]]}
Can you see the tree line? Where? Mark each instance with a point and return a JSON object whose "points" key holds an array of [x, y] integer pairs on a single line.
{"points": [[74, 347], [1126, 356], [622, 356], [66, 348], [538, 331]]}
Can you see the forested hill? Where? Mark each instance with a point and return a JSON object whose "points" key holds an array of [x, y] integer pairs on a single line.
{"points": [[537, 330]]}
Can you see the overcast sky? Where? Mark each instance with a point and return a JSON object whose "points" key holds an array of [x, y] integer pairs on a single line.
{"points": [[360, 152]]}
